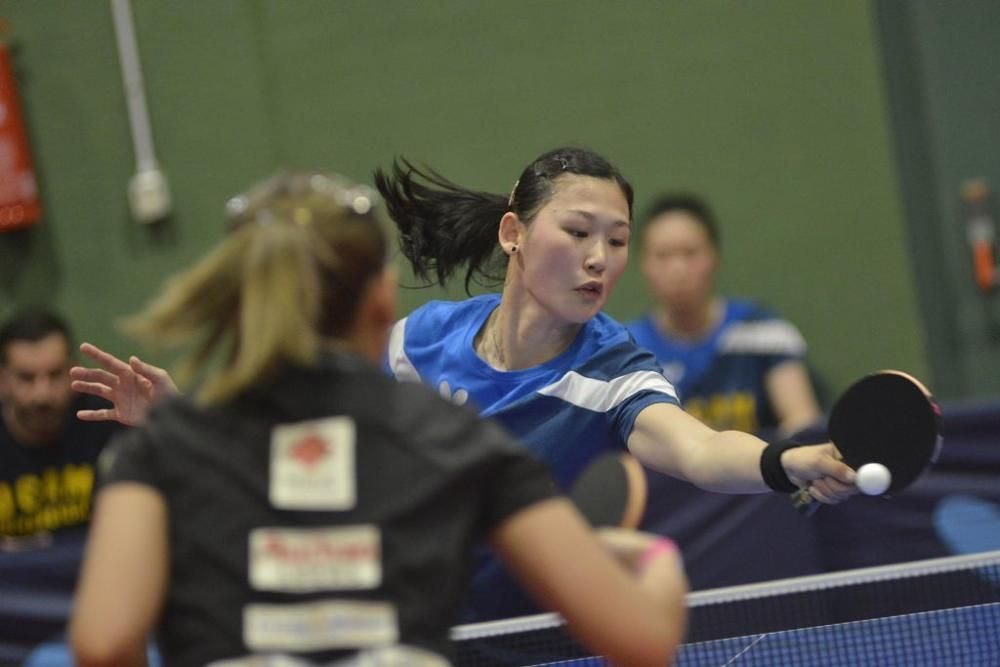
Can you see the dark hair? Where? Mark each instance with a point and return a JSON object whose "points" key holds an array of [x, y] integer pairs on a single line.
{"points": [[444, 226], [691, 204], [32, 326]]}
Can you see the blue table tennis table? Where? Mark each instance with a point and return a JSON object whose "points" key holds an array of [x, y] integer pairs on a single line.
{"points": [[948, 637]]}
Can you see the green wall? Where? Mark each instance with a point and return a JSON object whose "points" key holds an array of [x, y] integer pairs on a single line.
{"points": [[944, 98], [775, 109]]}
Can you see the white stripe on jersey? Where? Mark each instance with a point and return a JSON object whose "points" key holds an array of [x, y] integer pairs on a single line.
{"points": [[399, 363], [767, 337], [603, 395]]}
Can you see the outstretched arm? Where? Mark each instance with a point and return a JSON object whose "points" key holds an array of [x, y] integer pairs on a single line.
{"points": [[672, 441], [132, 388]]}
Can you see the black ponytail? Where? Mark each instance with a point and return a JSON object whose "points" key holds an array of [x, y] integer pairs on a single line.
{"points": [[443, 226]]}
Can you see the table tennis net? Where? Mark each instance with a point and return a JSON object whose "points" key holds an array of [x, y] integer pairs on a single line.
{"points": [[944, 611]]}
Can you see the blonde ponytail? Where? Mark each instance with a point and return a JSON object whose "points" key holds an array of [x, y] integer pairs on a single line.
{"points": [[289, 275]]}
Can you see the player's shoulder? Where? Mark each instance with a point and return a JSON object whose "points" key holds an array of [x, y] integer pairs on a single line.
{"points": [[609, 370], [610, 350], [435, 336]]}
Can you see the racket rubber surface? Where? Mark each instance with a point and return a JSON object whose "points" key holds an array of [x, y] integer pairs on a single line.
{"points": [[611, 492]]}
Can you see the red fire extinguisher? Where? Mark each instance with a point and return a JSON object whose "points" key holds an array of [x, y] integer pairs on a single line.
{"points": [[19, 205]]}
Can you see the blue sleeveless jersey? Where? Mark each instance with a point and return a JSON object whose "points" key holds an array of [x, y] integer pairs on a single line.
{"points": [[721, 378]]}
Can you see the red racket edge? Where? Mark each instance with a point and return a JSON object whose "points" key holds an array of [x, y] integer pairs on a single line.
{"points": [[638, 493], [938, 440], [935, 408]]}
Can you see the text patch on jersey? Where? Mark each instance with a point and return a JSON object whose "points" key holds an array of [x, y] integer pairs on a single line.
{"points": [[303, 559], [312, 465], [316, 626]]}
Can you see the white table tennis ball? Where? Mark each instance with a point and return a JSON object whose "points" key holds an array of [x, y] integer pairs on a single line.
{"points": [[873, 479]]}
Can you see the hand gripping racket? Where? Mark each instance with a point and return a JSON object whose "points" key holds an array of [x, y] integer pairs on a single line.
{"points": [[886, 418], [611, 492]]}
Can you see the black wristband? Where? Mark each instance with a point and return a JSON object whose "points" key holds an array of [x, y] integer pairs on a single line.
{"points": [[771, 469]]}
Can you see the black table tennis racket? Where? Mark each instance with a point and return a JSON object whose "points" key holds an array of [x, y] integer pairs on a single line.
{"points": [[888, 418], [611, 492]]}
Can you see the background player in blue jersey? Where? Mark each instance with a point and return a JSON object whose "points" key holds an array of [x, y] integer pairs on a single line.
{"points": [[735, 364]]}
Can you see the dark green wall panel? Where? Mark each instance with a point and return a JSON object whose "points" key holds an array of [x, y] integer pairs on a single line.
{"points": [[944, 89], [774, 109]]}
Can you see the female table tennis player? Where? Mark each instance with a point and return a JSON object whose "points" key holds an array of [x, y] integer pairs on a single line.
{"points": [[302, 503], [540, 357]]}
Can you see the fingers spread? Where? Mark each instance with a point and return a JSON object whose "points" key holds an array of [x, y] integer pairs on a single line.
{"points": [[95, 415], [108, 361], [92, 388], [140, 366], [93, 375]]}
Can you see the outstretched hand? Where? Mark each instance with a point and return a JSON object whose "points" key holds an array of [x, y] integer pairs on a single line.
{"points": [[820, 467], [132, 388]]}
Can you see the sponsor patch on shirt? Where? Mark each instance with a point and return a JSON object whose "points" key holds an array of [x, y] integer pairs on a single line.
{"points": [[317, 626], [401, 655], [312, 465], [303, 559]]}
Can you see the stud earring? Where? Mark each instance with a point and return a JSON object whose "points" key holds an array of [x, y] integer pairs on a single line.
{"points": [[513, 249]]}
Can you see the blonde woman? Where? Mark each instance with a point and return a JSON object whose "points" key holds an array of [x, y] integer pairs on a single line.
{"points": [[303, 504]]}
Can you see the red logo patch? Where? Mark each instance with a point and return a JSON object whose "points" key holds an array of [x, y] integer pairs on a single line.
{"points": [[310, 449]]}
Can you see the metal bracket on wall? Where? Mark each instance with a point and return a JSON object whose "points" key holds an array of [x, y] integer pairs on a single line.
{"points": [[149, 194]]}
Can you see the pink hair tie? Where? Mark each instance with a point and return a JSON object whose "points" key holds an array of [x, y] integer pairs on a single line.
{"points": [[658, 547]]}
